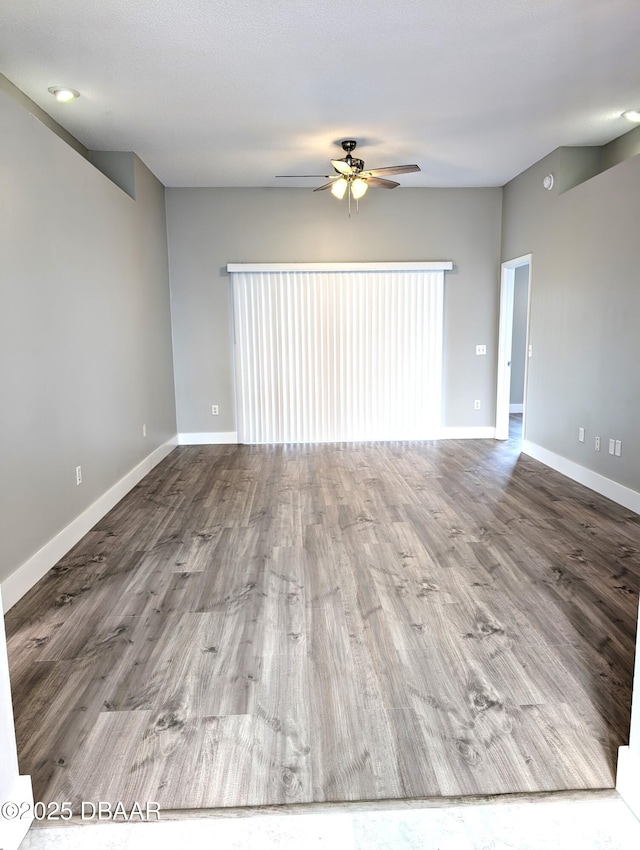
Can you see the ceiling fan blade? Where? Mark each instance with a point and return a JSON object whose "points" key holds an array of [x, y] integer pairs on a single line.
{"points": [[325, 186], [315, 176], [341, 166], [381, 184], [391, 169]]}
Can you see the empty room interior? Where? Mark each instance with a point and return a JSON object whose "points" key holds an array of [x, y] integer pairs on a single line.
{"points": [[318, 497]]}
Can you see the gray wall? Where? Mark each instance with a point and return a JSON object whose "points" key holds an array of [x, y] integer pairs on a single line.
{"points": [[118, 166], [585, 304], [209, 228], [620, 149], [14, 92], [85, 340], [519, 337]]}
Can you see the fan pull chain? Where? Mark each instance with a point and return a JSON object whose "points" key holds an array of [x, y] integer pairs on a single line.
{"points": [[349, 200]]}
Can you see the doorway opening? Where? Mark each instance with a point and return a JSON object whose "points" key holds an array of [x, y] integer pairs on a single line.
{"points": [[514, 349]]}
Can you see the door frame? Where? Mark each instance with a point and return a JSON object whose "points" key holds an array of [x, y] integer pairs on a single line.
{"points": [[505, 335]]}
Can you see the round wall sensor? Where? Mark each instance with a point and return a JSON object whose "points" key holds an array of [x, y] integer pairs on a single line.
{"points": [[548, 181]]}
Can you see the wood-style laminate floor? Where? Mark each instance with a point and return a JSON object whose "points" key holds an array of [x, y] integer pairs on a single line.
{"points": [[270, 625]]}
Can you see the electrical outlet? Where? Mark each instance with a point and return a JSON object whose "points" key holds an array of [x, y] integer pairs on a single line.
{"points": [[481, 349], [78, 475], [597, 444], [476, 404], [530, 352], [144, 430], [612, 447], [214, 410], [618, 448], [581, 434]]}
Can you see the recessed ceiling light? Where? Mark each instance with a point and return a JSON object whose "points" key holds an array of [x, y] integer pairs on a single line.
{"points": [[63, 94], [632, 115]]}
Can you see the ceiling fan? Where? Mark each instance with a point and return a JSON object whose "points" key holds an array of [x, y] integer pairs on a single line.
{"points": [[351, 179]]}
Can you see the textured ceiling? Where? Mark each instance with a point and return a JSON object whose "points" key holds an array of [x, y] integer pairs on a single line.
{"points": [[233, 92]]}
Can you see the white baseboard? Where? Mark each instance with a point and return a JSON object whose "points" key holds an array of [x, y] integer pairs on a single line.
{"points": [[448, 433], [605, 486], [472, 432], [23, 579], [208, 438], [516, 408], [14, 830], [628, 778]]}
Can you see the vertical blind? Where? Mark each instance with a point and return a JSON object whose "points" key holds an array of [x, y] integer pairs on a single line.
{"points": [[344, 355]]}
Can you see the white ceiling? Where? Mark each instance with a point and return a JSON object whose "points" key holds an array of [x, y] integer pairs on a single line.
{"points": [[233, 92]]}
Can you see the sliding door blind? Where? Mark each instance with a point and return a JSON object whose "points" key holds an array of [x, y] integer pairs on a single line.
{"points": [[337, 356]]}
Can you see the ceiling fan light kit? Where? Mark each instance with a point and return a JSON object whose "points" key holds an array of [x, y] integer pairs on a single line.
{"points": [[339, 188], [352, 180], [358, 187]]}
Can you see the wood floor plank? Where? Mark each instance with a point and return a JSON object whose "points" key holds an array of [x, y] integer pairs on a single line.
{"points": [[342, 766], [283, 702], [111, 743]]}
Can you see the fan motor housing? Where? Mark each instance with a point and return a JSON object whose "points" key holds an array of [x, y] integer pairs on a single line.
{"points": [[356, 164], [353, 162]]}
